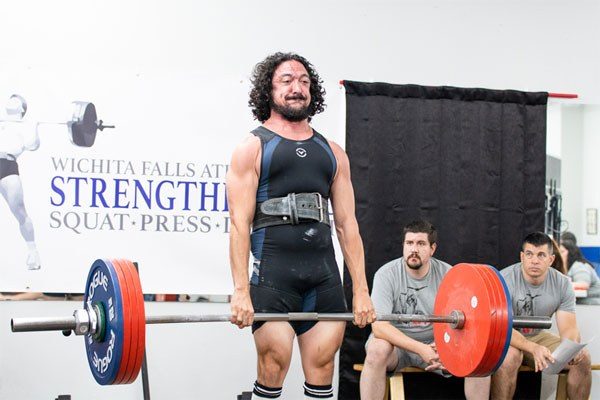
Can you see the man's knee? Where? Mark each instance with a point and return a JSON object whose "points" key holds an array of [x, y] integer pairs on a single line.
{"points": [[378, 352], [324, 362], [273, 361], [513, 360], [585, 364]]}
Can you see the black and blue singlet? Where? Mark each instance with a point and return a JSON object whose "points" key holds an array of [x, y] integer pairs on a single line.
{"points": [[294, 266]]}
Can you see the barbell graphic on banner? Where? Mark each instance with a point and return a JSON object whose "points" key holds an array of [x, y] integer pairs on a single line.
{"points": [[472, 316], [83, 124]]}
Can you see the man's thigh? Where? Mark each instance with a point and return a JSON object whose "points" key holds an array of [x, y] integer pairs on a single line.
{"points": [[546, 339], [274, 339], [318, 347]]}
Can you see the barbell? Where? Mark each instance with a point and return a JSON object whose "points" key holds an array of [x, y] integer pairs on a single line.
{"points": [[472, 316], [83, 124]]}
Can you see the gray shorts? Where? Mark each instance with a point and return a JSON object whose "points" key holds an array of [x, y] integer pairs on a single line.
{"points": [[409, 359]]}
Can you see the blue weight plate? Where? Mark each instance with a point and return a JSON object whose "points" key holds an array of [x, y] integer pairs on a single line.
{"points": [[105, 357]]}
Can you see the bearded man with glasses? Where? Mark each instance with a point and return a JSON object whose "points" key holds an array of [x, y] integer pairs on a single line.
{"points": [[538, 289]]}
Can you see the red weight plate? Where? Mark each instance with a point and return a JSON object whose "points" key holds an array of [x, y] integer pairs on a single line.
{"points": [[135, 327], [139, 320], [481, 370], [127, 324], [492, 337], [133, 322], [503, 321], [496, 350], [509, 319], [462, 351], [496, 311]]}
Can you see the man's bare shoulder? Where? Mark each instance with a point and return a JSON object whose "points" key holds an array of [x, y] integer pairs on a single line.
{"points": [[338, 151], [250, 143], [250, 140], [334, 146], [246, 153]]}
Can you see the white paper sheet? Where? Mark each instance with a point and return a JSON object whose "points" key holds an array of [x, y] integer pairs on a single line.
{"points": [[563, 354]]}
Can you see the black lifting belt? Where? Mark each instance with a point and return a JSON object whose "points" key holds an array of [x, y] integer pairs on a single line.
{"points": [[292, 209]]}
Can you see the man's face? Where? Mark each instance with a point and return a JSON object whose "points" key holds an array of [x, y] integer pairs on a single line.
{"points": [[417, 249], [290, 96], [536, 260]]}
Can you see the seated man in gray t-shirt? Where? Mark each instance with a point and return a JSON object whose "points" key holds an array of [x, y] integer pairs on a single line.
{"points": [[537, 289], [408, 285]]}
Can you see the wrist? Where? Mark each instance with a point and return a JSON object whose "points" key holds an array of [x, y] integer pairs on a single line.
{"points": [[422, 349], [360, 289], [531, 347], [241, 289]]}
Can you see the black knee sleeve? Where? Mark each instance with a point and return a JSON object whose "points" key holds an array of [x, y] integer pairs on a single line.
{"points": [[265, 391], [318, 391]]}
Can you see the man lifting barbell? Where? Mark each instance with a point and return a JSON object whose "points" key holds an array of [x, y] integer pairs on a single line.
{"points": [[18, 135], [279, 184], [408, 285]]}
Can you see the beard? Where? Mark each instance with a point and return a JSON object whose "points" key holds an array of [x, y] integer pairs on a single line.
{"points": [[292, 114], [414, 262]]}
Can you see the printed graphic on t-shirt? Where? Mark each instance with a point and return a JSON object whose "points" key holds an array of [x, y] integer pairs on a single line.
{"points": [[409, 304], [525, 306]]}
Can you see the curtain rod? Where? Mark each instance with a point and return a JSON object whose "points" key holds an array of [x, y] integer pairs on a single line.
{"points": [[553, 95]]}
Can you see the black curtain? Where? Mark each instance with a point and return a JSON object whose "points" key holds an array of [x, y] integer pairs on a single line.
{"points": [[471, 161]]}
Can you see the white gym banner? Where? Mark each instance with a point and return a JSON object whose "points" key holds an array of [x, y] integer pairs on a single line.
{"points": [[127, 165], [115, 136]]}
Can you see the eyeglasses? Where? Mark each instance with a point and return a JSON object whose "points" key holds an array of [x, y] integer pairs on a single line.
{"points": [[540, 256]]}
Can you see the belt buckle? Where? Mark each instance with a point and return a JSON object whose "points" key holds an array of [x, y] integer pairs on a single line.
{"points": [[320, 207]]}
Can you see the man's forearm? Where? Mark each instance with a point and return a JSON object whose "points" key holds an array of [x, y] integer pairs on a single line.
{"points": [[520, 342], [571, 334], [389, 333], [239, 248], [354, 255]]}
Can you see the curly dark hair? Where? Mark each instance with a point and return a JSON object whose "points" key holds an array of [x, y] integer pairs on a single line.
{"points": [[262, 77]]}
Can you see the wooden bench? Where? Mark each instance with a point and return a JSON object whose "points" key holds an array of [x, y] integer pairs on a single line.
{"points": [[394, 387]]}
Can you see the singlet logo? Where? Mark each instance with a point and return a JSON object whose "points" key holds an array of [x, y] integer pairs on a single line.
{"points": [[300, 152]]}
